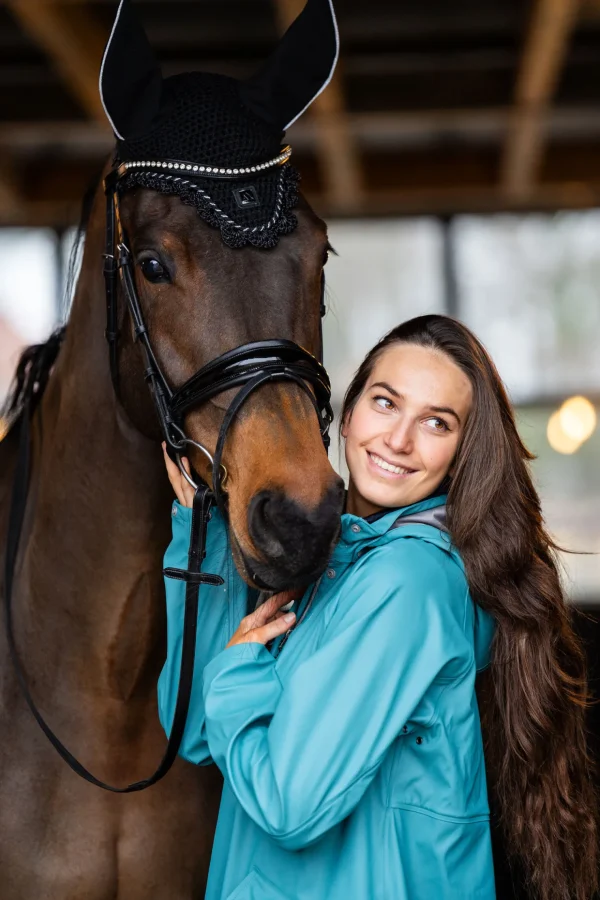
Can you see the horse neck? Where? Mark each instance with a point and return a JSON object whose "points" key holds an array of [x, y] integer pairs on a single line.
{"points": [[100, 500]]}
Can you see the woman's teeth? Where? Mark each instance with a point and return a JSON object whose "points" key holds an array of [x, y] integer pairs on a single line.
{"points": [[397, 470]]}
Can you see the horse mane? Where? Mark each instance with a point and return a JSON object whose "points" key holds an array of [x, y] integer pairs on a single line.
{"points": [[31, 377], [36, 362]]}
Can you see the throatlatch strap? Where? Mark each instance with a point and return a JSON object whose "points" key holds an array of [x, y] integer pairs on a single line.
{"points": [[201, 510]]}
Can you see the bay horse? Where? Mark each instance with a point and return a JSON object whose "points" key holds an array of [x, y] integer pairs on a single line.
{"points": [[88, 594]]}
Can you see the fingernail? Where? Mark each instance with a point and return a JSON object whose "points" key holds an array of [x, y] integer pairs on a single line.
{"points": [[289, 617]]}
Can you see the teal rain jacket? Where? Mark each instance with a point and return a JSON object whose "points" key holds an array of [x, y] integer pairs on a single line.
{"points": [[353, 760]]}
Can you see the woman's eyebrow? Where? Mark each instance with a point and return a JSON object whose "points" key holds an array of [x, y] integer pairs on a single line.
{"points": [[387, 387], [445, 409]]}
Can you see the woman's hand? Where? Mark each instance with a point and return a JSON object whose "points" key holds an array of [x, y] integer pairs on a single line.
{"points": [[266, 622], [183, 490]]}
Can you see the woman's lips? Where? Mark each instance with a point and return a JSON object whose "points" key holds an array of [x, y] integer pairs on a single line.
{"points": [[381, 466]]}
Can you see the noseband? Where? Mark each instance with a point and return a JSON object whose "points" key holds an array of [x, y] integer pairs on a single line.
{"points": [[247, 368]]}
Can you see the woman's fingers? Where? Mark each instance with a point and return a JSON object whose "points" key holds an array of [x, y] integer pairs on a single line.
{"points": [[174, 475], [183, 491], [269, 608], [271, 630], [265, 623], [187, 489], [262, 634]]}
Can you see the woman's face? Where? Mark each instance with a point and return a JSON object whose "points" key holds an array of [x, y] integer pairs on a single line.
{"points": [[404, 430]]}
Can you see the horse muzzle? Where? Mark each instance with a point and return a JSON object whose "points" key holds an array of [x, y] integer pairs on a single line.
{"points": [[292, 544]]}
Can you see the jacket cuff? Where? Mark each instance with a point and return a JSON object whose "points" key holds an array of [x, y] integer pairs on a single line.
{"points": [[232, 658], [240, 686]]}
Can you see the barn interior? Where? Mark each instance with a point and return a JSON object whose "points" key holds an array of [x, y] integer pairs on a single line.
{"points": [[455, 156], [436, 108]]}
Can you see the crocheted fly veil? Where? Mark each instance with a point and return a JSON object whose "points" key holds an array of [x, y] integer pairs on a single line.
{"points": [[215, 141]]}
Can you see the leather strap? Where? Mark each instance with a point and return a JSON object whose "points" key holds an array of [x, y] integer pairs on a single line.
{"points": [[110, 284], [201, 511], [193, 577], [236, 367]]}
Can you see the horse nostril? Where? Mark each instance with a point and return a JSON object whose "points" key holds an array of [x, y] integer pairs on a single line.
{"points": [[288, 535], [263, 526]]}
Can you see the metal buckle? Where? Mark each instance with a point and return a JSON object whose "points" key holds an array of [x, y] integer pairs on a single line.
{"points": [[181, 444]]}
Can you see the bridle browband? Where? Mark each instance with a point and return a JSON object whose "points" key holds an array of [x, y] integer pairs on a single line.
{"points": [[247, 367]]}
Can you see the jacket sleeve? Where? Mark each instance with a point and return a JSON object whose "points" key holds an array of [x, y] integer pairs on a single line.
{"points": [[219, 612], [300, 758]]}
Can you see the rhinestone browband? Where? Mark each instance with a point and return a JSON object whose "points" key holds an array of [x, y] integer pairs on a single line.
{"points": [[206, 171]]}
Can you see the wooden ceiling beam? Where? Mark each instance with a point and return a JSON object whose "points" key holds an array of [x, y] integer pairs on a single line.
{"points": [[379, 203], [339, 159], [73, 41], [545, 48], [399, 131]]}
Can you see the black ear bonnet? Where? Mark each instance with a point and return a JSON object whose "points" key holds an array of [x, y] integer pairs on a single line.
{"points": [[213, 140]]}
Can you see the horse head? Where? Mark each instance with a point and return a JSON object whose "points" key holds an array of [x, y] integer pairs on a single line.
{"points": [[222, 252]]}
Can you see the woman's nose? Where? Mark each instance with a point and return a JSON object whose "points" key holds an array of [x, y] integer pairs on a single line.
{"points": [[400, 439]]}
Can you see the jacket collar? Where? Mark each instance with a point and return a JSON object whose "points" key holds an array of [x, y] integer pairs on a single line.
{"points": [[356, 529]]}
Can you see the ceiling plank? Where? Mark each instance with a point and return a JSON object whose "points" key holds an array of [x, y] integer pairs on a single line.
{"points": [[339, 159], [73, 41], [546, 44]]}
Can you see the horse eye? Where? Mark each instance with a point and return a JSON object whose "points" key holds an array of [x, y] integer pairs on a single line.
{"points": [[154, 272]]}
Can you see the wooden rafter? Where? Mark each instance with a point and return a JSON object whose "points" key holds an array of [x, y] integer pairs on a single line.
{"points": [[73, 41], [545, 47], [388, 131], [338, 155], [381, 202]]}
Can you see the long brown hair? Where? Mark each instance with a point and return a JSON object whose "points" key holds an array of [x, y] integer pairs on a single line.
{"points": [[533, 708]]}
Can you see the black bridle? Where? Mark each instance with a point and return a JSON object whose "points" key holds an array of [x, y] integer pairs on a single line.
{"points": [[247, 367]]}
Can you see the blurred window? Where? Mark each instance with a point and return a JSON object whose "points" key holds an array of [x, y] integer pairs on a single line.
{"points": [[529, 287], [386, 271], [28, 292], [569, 485]]}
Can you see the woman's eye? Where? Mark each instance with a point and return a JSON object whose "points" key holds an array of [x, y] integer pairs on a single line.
{"points": [[154, 272], [438, 424], [384, 402]]}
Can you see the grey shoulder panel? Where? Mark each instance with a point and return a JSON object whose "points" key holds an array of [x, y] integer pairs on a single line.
{"points": [[435, 517]]}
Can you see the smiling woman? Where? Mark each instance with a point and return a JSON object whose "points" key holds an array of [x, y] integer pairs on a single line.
{"points": [[348, 728]]}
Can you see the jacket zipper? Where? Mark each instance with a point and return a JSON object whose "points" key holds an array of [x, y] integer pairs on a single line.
{"points": [[302, 617]]}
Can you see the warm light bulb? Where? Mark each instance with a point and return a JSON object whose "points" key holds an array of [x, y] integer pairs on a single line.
{"points": [[557, 438], [577, 418]]}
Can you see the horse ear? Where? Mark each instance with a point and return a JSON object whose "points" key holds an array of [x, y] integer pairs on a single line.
{"points": [[298, 70], [130, 77]]}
